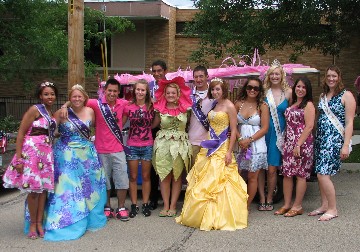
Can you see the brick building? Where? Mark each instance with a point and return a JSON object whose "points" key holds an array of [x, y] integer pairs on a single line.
{"points": [[158, 36]]}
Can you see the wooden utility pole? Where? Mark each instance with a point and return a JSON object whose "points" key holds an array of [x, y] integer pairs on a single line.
{"points": [[76, 70]]}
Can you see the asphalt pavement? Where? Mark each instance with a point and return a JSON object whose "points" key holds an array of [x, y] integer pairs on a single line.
{"points": [[265, 232]]}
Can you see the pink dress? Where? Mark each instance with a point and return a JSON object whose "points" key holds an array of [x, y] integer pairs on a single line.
{"points": [[297, 166], [38, 173]]}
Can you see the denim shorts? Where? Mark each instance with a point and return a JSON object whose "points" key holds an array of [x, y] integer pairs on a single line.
{"points": [[115, 166], [140, 153]]}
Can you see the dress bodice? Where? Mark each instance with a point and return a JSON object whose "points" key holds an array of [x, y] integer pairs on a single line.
{"points": [[68, 132], [218, 120], [173, 126], [253, 120], [336, 107]]}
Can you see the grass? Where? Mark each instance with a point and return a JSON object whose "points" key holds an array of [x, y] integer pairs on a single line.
{"points": [[354, 156], [357, 123]]}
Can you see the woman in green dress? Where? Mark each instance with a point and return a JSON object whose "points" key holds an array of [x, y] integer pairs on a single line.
{"points": [[172, 149]]}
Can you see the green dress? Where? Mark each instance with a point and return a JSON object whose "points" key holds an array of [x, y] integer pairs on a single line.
{"points": [[172, 149]]}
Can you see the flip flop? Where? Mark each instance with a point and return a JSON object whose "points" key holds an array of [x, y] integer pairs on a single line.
{"points": [[315, 213], [163, 213], [328, 217], [171, 213]]}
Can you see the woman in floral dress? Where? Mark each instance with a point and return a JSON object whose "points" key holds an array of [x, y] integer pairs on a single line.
{"points": [[332, 143], [32, 168], [298, 147], [77, 204]]}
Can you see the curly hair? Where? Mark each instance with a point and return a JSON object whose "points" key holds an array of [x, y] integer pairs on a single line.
{"points": [[243, 94], [267, 83], [40, 87]]}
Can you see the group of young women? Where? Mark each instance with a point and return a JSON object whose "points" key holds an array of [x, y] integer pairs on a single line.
{"points": [[285, 121], [272, 123]]}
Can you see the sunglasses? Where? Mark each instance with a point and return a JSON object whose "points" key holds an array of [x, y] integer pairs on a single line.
{"points": [[249, 88]]}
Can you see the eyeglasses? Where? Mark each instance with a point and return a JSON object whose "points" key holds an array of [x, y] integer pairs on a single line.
{"points": [[47, 84], [249, 88], [114, 115]]}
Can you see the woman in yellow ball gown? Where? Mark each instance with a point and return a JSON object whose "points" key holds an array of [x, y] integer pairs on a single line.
{"points": [[216, 196]]}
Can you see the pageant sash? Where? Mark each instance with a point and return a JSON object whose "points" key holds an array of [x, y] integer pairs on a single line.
{"points": [[215, 142], [79, 125], [199, 114], [275, 117], [333, 119], [111, 123], [52, 124]]}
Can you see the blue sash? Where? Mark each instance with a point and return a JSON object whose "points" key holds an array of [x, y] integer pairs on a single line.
{"points": [[81, 127], [111, 123], [200, 116], [52, 124], [215, 142]]}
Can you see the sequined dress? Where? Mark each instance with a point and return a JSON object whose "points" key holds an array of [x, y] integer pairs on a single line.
{"points": [[216, 196]]}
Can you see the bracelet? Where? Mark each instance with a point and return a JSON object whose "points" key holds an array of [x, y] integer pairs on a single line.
{"points": [[251, 139], [297, 146], [240, 139], [64, 106]]}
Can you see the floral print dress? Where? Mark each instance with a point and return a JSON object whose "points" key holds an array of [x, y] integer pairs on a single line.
{"points": [[329, 141], [38, 173], [297, 166]]}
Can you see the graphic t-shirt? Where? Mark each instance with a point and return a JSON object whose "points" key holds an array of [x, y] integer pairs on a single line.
{"points": [[140, 125]]}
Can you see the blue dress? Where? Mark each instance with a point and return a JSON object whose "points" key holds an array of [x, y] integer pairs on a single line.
{"points": [[329, 141], [273, 153], [78, 201]]}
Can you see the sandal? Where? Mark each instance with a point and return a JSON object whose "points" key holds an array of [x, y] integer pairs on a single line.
{"points": [[41, 233], [32, 235], [281, 211], [171, 213], [316, 212], [269, 206], [293, 213], [163, 213], [262, 207]]}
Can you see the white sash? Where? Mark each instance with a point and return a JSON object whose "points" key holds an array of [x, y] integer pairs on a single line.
{"points": [[275, 118], [333, 119]]}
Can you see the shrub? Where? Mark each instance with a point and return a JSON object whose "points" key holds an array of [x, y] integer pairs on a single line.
{"points": [[9, 124]]}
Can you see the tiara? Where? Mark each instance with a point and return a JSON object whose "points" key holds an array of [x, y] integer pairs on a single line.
{"points": [[217, 79], [47, 84], [276, 63], [77, 86]]}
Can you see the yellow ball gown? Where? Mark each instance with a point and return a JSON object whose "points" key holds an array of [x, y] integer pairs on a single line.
{"points": [[216, 196]]}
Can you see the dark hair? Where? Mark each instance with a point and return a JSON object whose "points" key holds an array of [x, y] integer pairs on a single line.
{"points": [[112, 81], [201, 68], [40, 87], [308, 97], [159, 63], [148, 101], [224, 87], [243, 94], [340, 85]]}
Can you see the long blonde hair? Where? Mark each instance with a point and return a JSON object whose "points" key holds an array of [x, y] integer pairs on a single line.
{"points": [[267, 83]]}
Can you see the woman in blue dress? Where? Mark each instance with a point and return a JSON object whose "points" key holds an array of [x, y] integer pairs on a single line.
{"points": [[333, 138], [278, 97], [78, 201]]}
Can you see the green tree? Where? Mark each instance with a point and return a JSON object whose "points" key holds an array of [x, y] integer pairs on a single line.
{"points": [[34, 35], [237, 27]]}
